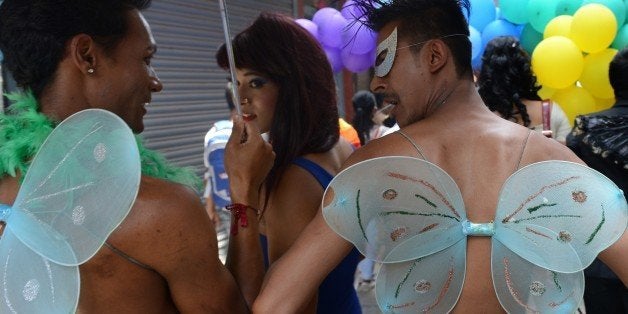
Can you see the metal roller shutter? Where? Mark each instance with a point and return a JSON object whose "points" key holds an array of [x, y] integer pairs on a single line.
{"points": [[188, 32]]}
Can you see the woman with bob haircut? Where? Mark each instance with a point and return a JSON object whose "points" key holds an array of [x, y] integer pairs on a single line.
{"points": [[287, 91]]}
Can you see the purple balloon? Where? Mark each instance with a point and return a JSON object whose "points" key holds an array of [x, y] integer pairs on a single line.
{"points": [[330, 32], [351, 11], [358, 62], [309, 26], [358, 38], [334, 57], [321, 16]]}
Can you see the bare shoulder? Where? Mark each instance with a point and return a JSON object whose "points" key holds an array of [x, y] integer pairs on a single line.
{"points": [[540, 148], [164, 215]]}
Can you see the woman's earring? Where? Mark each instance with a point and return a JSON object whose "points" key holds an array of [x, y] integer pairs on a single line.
{"points": [[90, 71], [245, 101]]}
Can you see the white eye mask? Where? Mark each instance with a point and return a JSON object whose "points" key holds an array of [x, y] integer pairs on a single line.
{"points": [[389, 47]]}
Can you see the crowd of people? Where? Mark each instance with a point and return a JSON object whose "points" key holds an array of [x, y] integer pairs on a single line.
{"points": [[283, 256]]}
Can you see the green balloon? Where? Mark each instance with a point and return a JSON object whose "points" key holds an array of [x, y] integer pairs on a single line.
{"points": [[621, 40], [540, 12], [617, 6], [514, 10], [530, 38], [568, 7]]}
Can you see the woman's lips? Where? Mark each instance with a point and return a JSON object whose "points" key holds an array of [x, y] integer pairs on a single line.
{"points": [[248, 117]]}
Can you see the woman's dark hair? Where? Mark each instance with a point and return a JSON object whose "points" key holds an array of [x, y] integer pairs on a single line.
{"points": [[506, 78], [363, 105], [306, 117], [33, 33], [421, 20]]}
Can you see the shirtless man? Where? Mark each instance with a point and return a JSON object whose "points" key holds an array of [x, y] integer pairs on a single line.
{"points": [[429, 79], [79, 54]]}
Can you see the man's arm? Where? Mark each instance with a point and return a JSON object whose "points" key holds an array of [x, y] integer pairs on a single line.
{"points": [[182, 248]]}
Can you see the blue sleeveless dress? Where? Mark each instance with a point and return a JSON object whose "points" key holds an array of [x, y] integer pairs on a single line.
{"points": [[336, 294]]}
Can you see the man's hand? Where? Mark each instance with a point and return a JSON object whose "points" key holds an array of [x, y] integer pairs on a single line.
{"points": [[248, 159]]}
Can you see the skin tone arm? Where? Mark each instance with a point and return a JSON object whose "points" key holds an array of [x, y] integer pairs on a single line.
{"points": [[616, 256], [244, 258], [183, 249], [210, 208]]}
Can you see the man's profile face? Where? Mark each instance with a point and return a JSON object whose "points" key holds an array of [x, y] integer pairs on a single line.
{"points": [[128, 79]]}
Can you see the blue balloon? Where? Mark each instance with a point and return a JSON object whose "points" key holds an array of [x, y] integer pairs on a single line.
{"points": [[499, 28], [482, 13], [476, 42]]}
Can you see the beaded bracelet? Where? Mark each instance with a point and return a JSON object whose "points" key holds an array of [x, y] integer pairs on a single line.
{"points": [[239, 213]]}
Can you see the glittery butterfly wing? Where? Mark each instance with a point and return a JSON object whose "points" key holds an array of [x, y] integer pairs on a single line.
{"points": [[555, 217], [406, 213], [78, 189]]}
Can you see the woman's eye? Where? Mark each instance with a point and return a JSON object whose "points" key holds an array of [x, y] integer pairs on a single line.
{"points": [[257, 83]]}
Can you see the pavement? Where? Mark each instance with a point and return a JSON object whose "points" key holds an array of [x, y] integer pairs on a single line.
{"points": [[366, 296]]}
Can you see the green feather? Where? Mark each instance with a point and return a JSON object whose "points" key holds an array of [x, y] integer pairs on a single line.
{"points": [[23, 130]]}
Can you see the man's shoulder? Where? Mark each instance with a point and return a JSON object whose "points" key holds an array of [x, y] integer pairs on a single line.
{"points": [[159, 193]]}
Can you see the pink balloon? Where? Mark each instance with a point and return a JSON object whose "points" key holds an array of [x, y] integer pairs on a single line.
{"points": [[358, 38], [358, 62], [309, 26], [334, 57]]}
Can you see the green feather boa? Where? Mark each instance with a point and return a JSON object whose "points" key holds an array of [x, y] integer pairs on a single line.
{"points": [[23, 130]]}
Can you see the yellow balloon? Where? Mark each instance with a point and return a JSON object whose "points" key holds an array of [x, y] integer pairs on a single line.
{"points": [[574, 101], [593, 28], [595, 73], [558, 26], [557, 62], [603, 104], [546, 92]]}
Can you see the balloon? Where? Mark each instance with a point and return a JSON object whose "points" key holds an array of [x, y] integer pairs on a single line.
{"points": [[476, 43], [621, 40], [574, 101], [559, 26], [546, 92], [334, 58], [513, 12], [309, 26], [498, 14], [557, 62], [321, 16], [595, 73], [540, 12], [568, 7], [593, 27], [499, 28], [530, 38], [603, 104], [482, 13], [617, 6], [330, 32], [351, 11], [358, 38], [358, 62]]}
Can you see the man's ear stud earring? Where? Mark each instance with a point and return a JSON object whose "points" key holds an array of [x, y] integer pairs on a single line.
{"points": [[90, 71]]}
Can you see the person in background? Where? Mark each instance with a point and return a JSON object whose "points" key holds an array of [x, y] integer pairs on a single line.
{"points": [[287, 90], [509, 88], [71, 55], [216, 180], [364, 104], [423, 67], [600, 139]]}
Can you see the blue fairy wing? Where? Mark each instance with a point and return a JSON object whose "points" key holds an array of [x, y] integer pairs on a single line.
{"points": [[31, 283], [395, 209], [429, 284], [559, 215], [523, 287], [79, 187]]}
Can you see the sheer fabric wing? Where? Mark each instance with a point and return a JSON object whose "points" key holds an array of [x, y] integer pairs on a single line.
{"points": [[559, 215], [79, 187], [395, 209], [523, 287], [32, 284], [423, 285]]}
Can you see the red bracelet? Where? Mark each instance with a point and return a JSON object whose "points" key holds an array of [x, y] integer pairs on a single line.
{"points": [[239, 213]]}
